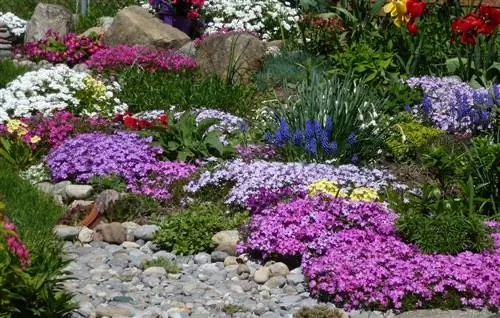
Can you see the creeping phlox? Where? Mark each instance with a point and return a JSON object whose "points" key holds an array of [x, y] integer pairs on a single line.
{"points": [[331, 188]]}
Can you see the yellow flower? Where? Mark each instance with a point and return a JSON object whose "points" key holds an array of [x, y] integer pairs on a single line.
{"points": [[397, 9], [325, 186], [364, 194], [35, 139], [17, 126]]}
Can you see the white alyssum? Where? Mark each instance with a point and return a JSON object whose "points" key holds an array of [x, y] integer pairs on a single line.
{"points": [[47, 90], [36, 173], [15, 25], [270, 19]]}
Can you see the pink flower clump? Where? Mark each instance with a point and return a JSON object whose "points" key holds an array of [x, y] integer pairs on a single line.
{"points": [[350, 252], [151, 59], [15, 245], [70, 48]]}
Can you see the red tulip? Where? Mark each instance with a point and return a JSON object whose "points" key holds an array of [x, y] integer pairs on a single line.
{"points": [[412, 27], [415, 8]]}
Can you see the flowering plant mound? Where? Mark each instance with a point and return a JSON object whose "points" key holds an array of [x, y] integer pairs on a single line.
{"points": [[150, 59], [351, 254], [59, 87], [269, 18], [331, 188], [484, 21], [17, 146], [70, 48], [15, 25], [167, 10], [454, 106], [287, 228], [125, 155], [405, 12], [249, 177], [14, 244]]}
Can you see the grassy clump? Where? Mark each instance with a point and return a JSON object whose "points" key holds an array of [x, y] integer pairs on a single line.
{"points": [[318, 312], [9, 71], [170, 266], [144, 91]]}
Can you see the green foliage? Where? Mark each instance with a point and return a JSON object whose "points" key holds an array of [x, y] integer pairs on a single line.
{"points": [[398, 95], [16, 152], [351, 106], [409, 139], [170, 266], [318, 312], [321, 33], [190, 231], [183, 139], [101, 183], [365, 62], [483, 165], [440, 224], [144, 91], [9, 71], [133, 207], [286, 67]]}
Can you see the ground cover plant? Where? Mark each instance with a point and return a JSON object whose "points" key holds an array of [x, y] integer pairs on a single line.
{"points": [[304, 161]]}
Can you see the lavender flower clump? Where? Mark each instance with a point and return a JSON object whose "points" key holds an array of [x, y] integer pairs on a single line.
{"points": [[122, 154], [249, 177], [452, 105]]}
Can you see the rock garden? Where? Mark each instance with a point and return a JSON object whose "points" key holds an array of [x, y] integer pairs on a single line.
{"points": [[266, 158]]}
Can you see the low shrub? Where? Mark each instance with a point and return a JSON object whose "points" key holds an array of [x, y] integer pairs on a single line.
{"points": [[9, 71], [101, 183], [190, 231], [409, 139], [439, 224]]}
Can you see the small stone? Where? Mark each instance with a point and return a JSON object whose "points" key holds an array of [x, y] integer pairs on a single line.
{"points": [[261, 275], [278, 269], [85, 235], [146, 232], [155, 271], [276, 282], [83, 203], [218, 256], [230, 260], [243, 269], [130, 245], [202, 258], [237, 289], [78, 191], [226, 241], [174, 276], [111, 233], [45, 187], [66, 232]]}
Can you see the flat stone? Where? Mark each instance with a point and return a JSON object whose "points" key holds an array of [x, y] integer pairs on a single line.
{"points": [[78, 191], [218, 256], [83, 203], [164, 254], [130, 245], [155, 271], [202, 258], [230, 260], [66, 232], [278, 269], [295, 279], [114, 311]]}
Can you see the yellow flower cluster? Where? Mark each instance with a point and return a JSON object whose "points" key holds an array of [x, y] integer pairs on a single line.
{"points": [[398, 11], [330, 187], [97, 88], [15, 126]]}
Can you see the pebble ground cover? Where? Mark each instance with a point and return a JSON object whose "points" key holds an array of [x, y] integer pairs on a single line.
{"points": [[379, 181]]}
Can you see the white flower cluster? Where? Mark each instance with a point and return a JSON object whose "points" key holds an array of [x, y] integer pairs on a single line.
{"points": [[270, 19], [47, 90], [15, 25], [36, 174]]}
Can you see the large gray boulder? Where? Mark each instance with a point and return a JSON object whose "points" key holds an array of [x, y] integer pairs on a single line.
{"points": [[48, 17], [234, 55], [134, 25]]}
